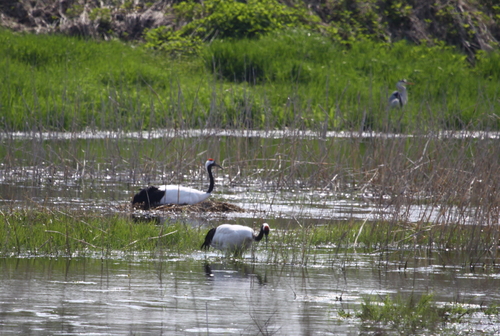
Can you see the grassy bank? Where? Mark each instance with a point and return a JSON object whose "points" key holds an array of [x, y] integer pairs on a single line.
{"points": [[290, 79], [58, 233]]}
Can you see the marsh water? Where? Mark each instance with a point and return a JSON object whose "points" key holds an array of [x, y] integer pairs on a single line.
{"points": [[287, 180], [144, 294]]}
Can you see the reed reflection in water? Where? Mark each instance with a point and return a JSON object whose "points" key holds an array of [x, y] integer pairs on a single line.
{"points": [[182, 296]]}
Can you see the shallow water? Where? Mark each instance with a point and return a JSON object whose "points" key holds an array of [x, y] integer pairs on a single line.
{"points": [[192, 295], [277, 176]]}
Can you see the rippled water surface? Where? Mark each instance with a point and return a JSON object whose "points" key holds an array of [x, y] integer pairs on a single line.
{"points": [[205, 294], [198, 296], [282, 173]]}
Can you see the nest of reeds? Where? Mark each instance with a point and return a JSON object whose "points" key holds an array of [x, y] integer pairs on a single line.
{"points": [[206, 206]]}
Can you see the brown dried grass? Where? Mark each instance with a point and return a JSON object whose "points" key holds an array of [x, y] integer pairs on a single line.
{"points": [[206, 206]]}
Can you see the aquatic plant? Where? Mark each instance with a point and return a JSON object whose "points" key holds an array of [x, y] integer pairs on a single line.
{"points": [[425, 193], [56, 232], [45, 232], [414, 315]]}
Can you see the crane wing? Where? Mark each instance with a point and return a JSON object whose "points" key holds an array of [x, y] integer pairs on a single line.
{"points": [[232, 237]]}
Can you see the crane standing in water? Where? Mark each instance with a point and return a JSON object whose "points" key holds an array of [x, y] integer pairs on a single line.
{"points": [[234, 238]]}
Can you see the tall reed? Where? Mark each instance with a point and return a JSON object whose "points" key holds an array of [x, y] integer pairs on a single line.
{"points": [[423, 180]]}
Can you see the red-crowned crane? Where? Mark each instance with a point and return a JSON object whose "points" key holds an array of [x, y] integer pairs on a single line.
{"points": [[175, 194], [234, 238], [399, 98]]}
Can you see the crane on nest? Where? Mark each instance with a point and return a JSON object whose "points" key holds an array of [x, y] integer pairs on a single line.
{"points": [[176, 194]]}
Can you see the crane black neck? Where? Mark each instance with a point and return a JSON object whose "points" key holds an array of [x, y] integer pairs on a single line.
{"points": [[260, 235], [210, 176]]}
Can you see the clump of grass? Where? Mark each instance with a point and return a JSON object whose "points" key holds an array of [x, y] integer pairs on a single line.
{"points": [[396, 242], [413, 315], [59, 233]]}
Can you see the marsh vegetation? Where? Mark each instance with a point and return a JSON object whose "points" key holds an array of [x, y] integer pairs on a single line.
{"points": [[383, 221], [422, 207]]}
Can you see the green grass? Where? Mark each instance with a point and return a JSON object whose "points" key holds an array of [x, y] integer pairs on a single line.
{"points": [[44, 232], [412, 315], [62, 83], [294, 78], [313, 80], [58, 233]]}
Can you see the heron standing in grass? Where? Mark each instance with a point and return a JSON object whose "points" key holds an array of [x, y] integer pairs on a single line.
{"points": [[399, 98]]}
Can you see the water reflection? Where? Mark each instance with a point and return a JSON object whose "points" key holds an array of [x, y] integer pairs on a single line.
{"points": [[231, 269], [271, 174], [146, 294], [180, 296]]}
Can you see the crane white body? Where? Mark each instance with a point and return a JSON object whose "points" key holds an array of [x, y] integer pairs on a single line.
{"points": [[399, 98], [176, 194], [234, 238]]}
